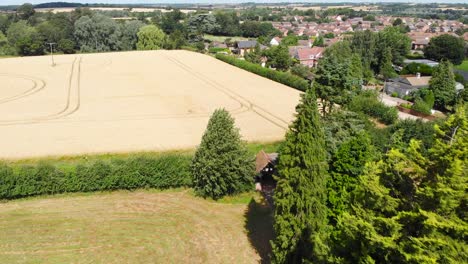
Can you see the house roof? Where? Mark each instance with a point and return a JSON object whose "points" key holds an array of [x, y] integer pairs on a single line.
{"points": [[246, 44], [303, 42], [410, 82], [419, 81], [309, 53], [263, 159]]}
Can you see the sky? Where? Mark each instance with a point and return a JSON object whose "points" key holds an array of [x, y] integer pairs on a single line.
{"points": [[15, 2]]}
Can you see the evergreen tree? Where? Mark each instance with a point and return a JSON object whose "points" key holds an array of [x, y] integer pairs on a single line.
{"points": [[254, 56], [346, 166], [338, 75], [319, 42], [410, 207], [221, 165], [442, 84], [386, 68], [300, 195]]}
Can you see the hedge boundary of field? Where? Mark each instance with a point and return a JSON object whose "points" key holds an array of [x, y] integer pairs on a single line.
{"points": [[161, 172], [285, 78]]}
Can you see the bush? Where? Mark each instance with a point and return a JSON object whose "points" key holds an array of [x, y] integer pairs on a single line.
{"points": [[281, 77], [394, 94], [161, 172], [421, 107], [67, 46], [215, 50], [368, 104]]}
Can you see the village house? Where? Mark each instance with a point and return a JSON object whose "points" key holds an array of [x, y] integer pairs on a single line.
{"points": [[309, 56], [245, 45], [275, 41], [405, 85]]}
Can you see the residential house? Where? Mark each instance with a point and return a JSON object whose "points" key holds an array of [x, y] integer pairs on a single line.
{"points": [[245, 45], [405, 85], [275, 41], [309, 56]]}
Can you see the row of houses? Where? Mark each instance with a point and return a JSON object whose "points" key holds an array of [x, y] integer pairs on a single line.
{"points": [[339, 25]]}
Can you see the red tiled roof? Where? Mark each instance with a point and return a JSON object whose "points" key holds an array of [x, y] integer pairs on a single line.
{"points": [[310, 53]]}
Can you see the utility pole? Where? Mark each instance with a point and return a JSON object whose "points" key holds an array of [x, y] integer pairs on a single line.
{"points": [[52, 52]]}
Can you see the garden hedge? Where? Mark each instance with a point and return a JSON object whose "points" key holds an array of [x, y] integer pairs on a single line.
{"points": [[368, 104], [277, 76], [161, 172]]}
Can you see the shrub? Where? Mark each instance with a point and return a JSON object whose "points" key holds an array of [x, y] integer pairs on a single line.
{"points": [[368, 104], [215, 50], [406, 105], [281, 77], [394, 94], [161, 172], [421, 107], [221, 165]]}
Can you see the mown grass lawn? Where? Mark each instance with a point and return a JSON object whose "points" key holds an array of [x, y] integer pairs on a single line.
{"points": [[144, 226], [223, 38], [463, 66]]}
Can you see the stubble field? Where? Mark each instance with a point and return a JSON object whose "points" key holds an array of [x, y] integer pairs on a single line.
{"points": [[131, 101]]}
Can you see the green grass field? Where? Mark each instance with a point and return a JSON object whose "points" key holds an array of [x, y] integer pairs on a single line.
{"points": [[463, 66], [223, 38], [144, 226]]}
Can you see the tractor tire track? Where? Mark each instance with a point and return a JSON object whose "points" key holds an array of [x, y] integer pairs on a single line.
{"points": [[251, 106], [36, 87], [68, 109]]}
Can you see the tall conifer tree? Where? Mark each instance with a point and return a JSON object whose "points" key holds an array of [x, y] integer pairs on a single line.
{"points": [[300, 196]]}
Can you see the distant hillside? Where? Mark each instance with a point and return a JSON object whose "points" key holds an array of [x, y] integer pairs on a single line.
{"points": [[57, 5]]}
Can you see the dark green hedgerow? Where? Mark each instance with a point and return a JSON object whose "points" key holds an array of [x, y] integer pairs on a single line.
{"points": [[161, 172], [277, 76]]}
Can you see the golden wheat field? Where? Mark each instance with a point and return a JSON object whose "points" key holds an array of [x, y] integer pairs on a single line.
{"points": [[131, 101]]}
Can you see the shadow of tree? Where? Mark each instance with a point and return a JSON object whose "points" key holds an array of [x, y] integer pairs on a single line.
{"points": [[259, 227]]}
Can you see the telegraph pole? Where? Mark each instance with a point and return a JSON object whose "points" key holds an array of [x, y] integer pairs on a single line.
{"points": [[52, 52]]}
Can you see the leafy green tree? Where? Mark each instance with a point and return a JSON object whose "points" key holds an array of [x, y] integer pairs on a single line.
{"points": [[386, 69], [228, 23], [337, 76], [397, 22], [290, 40], [300, 195], [25, 39], [278, 57], [200, 24], [176, 40], [446, 47], [150, 38], [170, 22], [399, 43], [254, 56], [129, 31], [67, 46], [97, 33], [442, 85], [319, 42], [221, 165], [301, 71], [25, 11], [254, 29]]}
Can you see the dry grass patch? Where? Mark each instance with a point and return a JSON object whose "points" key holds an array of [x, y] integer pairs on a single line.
{"points": [[134, 227]]}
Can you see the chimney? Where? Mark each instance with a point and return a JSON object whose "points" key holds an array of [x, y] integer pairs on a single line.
{"points": [[418, 75]]}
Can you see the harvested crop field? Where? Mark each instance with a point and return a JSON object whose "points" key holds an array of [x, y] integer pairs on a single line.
{"points": [[131, 101], [134, 227]]}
